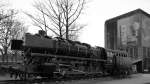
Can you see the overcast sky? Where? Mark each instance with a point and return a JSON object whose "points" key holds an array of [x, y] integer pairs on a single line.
{"points": [[95, 14]]}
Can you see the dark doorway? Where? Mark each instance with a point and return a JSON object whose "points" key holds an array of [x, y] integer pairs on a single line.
{"points": [[139, 66]]}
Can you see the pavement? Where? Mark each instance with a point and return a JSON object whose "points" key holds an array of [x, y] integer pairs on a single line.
{"points": [[134, 79]]}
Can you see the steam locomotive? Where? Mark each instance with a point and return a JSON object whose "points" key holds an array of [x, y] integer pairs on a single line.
{"points": [[56, 57]]}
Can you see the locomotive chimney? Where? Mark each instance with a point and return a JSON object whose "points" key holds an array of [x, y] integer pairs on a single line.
{"points": [[42, 33]]}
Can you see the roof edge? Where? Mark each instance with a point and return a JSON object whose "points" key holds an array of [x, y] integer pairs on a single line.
{"points": [[128, 14]]}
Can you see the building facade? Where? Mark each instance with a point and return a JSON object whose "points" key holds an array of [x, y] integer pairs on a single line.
{"points": [[130, 31]]}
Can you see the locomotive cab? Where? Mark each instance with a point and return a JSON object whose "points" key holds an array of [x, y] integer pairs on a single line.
{"points": [[16, 44]]}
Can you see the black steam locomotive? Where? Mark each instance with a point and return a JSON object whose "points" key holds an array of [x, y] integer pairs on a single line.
{"points": [[57, 57]]}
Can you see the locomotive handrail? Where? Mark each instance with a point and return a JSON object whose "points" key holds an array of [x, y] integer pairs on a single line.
{"points": [[68, 57]]}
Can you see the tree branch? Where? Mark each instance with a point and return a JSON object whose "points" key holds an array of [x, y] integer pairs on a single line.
{"points": [[42, 23]]}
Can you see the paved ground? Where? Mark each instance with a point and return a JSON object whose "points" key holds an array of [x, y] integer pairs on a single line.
{"points": [[134, 79]]}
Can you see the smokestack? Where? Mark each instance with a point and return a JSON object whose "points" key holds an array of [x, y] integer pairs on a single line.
{"points": [[42, 33]]}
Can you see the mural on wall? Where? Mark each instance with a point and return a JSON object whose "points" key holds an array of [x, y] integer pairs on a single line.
{"points": [[133, 32], [145, 31], [129, 28], [129, 33], [123, 34]]}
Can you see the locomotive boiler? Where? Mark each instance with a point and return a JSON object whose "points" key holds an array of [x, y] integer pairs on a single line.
{"points": [[44, 44]]}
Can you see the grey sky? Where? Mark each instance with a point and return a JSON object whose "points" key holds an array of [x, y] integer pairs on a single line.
{"points": [[95, 14]]}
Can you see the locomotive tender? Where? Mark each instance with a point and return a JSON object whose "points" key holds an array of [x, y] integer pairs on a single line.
{"points": [[57, 57]]}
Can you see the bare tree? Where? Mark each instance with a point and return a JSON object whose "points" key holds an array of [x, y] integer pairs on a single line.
{"points": [[10, 28], [75, 31], [71, 13], [58, 16]]}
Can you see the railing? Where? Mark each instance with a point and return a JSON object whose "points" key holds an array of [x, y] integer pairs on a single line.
{"points": [[10, 59]]}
